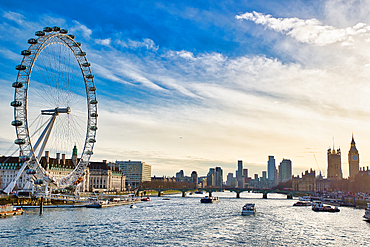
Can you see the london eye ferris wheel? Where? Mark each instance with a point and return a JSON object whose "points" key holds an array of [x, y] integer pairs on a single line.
{"points": [[55, 106]]}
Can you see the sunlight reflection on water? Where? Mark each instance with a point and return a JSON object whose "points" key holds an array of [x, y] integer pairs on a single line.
{"points": [[187, 222]]}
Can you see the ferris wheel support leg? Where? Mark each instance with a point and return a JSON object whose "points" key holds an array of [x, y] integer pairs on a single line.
{"points": [[48, 129], [12, 184], [46, 189]]}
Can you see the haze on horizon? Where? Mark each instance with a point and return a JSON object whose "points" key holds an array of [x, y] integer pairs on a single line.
{"points": [[192, 85]]}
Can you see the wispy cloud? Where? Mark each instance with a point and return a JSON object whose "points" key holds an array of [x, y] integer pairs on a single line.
{"points": [[309, 31], [133, 44], [86, 32], [13, 16]]}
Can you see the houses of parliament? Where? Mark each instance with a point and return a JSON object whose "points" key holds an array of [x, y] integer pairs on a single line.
{"points": [[310, 182], [335, 164]]}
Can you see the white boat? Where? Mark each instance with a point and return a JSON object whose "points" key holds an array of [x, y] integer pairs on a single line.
{"points": [[209, 199], [304, 198], [249, 209], [367, 213]]}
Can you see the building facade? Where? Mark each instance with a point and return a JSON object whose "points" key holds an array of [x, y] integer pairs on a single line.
{"points": [[271, 169], [136, 172], [105, 176], [97, 175], [334, 164], [353, 160], [194, 176], [211, 177], [309, 182], [219, 177], [285, 170]]}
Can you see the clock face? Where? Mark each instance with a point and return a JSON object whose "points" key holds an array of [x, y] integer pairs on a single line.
{"points": [[354, 157]]}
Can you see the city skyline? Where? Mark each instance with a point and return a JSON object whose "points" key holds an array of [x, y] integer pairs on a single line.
{"points": [[189, 86]]}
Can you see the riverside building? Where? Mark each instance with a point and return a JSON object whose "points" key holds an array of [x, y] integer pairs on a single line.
{"points": [[334, 164], [98, 175], [136, 172]]}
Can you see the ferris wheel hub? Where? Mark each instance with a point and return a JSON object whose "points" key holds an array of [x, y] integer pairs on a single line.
{"points": [[56, 111]]}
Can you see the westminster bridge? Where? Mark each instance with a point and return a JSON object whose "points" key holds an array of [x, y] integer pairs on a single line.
{"points": [[288, 193]]}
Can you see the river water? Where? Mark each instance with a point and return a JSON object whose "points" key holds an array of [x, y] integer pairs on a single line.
{"points": [[187, 222]]}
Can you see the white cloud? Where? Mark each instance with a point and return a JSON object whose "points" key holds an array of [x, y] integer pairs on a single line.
{"points": [[10, 55], [86, 32], [309, 31], [105, 42], [132, 44], [13, 16]]}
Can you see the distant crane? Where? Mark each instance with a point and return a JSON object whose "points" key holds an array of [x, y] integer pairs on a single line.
{"points": [[317, 163]]}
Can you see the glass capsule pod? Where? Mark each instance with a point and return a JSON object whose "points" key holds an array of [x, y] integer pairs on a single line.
{"points": [[81, 53], [25, 53], [32, 41], [86, 65], [56, 29], [71, 36], [31, 171], [20, 141], [17, 84], [47, 29], [93, 102], [93, 128], [17, 123], [94, 114], [77, 44], [40, 33], [20, 67], [24, 158], [92, 89], [89, 152], [90, 76], [16, 103], [39, 181], [63, 31], [91, 140]]}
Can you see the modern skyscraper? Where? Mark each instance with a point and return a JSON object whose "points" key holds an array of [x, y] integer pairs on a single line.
{"points": [[353, 160], [211, 181], [285, 170], [334, 164], [219, 177], [271, 168], [230, 177], [194, 176], [264, 176], [239, 174]]}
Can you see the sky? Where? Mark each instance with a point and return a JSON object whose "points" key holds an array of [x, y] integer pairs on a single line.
{"points": [[197, 84]]}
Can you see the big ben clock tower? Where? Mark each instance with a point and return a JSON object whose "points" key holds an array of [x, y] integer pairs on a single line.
{"points": [[353, 160]]}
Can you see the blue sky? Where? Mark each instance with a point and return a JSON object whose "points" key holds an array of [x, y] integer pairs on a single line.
{"points": [[196, 84]]}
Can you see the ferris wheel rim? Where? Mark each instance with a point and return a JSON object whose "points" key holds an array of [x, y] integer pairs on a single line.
{"points": [[21, 95]]}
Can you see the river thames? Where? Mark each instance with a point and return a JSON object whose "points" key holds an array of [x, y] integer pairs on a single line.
{"points": [[187, 222]]}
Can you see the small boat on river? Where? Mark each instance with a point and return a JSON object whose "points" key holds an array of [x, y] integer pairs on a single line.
{"points": [[209, 199], [304, 199], [367, 213], [249, 209], [304, 203], [146, 199], [9, 210], [319, 207]]}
